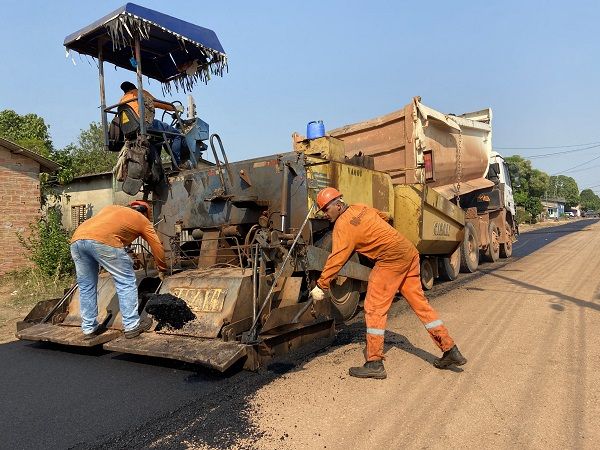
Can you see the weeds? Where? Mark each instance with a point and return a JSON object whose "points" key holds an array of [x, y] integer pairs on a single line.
{"points": [[48, 245], [27, 287]]}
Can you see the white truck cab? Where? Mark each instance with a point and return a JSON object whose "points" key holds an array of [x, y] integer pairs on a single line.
{"points": [[499, 174]]}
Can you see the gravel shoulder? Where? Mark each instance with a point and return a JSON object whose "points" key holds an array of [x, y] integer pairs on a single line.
{"points": [[532, 380]]}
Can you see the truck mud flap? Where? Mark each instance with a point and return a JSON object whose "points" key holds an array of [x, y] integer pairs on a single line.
{"points": [[212, 353], [66, 335]]}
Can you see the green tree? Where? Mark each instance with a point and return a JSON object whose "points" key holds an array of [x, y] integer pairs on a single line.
{"points": [[88, 155], [529, 185], [29, 131], [589, 200], [565, 187]]}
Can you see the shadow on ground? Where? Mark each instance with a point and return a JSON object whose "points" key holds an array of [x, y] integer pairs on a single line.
{"points": [[75, 398]]}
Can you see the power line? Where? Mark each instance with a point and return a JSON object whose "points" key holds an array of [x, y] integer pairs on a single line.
{"points": [[581, 170], [540, 148], [560, 153], [575, 167]]}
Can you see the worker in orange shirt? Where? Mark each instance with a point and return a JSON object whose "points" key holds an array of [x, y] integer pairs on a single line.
{"points": [[99, 242], [363, 229], [130, 98]]}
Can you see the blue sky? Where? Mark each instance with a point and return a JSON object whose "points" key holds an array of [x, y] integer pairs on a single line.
{"points": [[535, 63]]}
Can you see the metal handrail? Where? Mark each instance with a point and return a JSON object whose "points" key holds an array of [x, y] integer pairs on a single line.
{"points": [[218, 162]]}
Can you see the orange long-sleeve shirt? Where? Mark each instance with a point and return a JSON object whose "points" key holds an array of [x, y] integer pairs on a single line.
{"points": [[131, 98], [119, 226], [362, 229]]}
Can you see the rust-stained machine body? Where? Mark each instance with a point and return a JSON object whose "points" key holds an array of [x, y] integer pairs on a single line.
{"points": [[244, 241], [245, 247]]}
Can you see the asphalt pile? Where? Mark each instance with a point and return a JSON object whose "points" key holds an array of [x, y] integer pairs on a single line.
{"points": [[169, 311]]}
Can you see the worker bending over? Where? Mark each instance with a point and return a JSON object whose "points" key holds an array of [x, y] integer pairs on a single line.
{"points": [[100, 241], [363, 229]]}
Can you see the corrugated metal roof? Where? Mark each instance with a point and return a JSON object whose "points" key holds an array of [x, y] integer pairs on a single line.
{"points": [[46, 165]]}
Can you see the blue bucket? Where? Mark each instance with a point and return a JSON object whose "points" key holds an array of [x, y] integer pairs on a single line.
{"points": [[315, 129]]}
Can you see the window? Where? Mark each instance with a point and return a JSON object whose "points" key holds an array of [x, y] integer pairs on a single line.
{"points": [[507, 176], [78, 215]]}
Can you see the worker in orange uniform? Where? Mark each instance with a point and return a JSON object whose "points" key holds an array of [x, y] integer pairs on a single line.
{"points": [[100, 241], [130, 98], [363, 229]]}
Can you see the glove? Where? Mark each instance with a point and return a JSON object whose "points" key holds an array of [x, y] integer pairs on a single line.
{"points": [[317, 293], [161, 275]]}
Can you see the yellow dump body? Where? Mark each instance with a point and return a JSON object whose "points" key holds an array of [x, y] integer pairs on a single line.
{"points": [[425, 217], [327, 167], [428, 220]]}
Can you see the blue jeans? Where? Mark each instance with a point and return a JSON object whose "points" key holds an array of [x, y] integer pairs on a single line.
{"points": [[157, 125], [88, 256]]}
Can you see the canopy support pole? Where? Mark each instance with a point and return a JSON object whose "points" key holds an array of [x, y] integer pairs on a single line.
{"points": [[138, 60], [102, 93]]}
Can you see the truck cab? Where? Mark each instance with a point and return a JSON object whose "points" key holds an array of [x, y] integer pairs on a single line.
{"points": [[499, 174]]}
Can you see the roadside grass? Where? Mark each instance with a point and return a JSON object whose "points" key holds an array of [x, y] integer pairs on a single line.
{"points": [[20, 291], [27, 287]]}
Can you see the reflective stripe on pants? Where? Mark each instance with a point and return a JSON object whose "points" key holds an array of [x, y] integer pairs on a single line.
{"points": [[384, 283]]}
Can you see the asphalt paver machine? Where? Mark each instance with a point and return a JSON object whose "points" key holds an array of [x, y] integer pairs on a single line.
{"points": [[244, 241]]}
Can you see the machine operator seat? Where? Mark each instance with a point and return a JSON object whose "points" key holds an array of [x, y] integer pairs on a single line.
{"points": [[128, 121], [129, 124]]}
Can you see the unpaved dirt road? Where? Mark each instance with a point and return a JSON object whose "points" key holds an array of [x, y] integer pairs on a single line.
{"points": [[530, 332], [528, 328]]}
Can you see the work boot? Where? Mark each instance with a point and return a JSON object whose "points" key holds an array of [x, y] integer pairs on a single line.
{"points": [[143, 325], [451, 357], [371, 369], [97, 332]]}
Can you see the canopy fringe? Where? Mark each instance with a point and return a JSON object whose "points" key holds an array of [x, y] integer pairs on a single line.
{"points": [[122, 29]]}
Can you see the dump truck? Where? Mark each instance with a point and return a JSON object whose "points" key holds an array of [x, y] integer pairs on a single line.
{"points": [[244, 240], [453, 156]]}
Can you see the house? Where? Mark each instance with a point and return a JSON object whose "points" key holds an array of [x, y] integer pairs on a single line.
{"points": [[553, 207], [20, 199], [85, 195]]}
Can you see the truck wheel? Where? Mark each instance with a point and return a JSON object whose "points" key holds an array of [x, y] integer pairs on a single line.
{"points": [[450, 266], [344, 298], [469, 250], [492, 254], [506, 248], [426, 274]]}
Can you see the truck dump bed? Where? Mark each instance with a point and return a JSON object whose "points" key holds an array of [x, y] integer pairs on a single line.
{"points": [[419, 144]]}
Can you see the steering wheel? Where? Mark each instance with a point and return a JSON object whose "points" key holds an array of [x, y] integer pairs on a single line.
{"points": [[173, 116]]}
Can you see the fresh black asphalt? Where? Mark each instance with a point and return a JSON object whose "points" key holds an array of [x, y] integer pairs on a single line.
{"points": [[55, 397]]}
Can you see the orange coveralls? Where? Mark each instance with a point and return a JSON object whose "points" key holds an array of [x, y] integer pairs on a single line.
{"points": [[362, 229]]}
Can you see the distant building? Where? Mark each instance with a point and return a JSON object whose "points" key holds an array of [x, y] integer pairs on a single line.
{"points": [[553, 208], [19, 199], [85, 195]]}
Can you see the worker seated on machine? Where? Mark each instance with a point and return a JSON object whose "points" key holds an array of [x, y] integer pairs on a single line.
{"points": [[130, 99]]}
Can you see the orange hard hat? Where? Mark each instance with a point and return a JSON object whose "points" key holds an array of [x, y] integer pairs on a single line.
{"points": [[141, 206], [326, 196]]}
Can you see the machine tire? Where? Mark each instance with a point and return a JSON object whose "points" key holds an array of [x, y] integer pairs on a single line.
{"points": [[507, 247], [450, 266], [345, 296], [469, 250], [427, 275], [492, 253]]}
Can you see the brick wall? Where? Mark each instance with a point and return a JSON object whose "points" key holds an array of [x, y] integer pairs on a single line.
{"points": [[19, 206]]}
